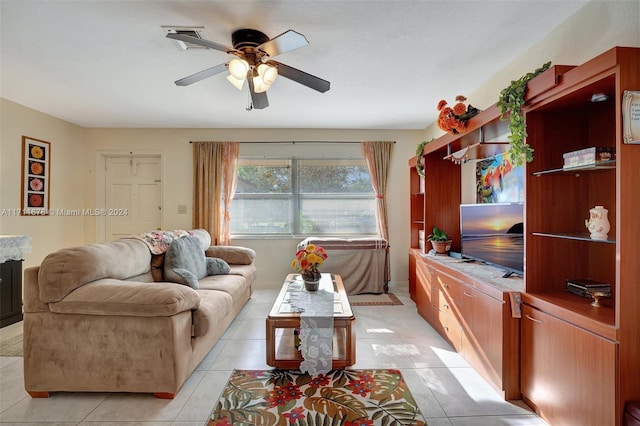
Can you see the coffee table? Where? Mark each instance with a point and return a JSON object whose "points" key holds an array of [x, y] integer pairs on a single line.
{"points": [[284, 319]]}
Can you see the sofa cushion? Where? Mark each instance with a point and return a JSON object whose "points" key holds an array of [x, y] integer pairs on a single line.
{"points": [[127, 298], [247, 271], [233, 255], [214, 307], [67, 269], [234, 285]]}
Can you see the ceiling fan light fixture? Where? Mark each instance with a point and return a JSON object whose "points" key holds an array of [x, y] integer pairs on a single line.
{"points": [[238, 68], [238, 83], [259, 85], [268, 73], [252, 52]]}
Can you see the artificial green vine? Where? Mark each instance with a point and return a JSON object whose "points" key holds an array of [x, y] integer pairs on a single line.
{"points": [[419, 166], [512, 100]]}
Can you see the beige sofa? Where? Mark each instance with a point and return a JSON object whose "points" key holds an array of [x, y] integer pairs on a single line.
{"points": [[96, 320]]}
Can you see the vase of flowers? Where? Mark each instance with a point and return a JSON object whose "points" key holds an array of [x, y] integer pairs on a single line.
{"points": [[306, 262], [454, 119]]}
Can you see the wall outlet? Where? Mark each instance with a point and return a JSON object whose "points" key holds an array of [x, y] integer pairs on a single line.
{"points": [[182, 209]]}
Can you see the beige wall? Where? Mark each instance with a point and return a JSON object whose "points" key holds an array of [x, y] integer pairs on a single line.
{"points": [[274, 255], [67, 178], [594, 29], [76, 151]]}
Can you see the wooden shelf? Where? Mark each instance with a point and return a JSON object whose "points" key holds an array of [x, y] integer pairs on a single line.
{"points": [[595, 350], [478, 151], [572, 236], [286, 350], [577, 310], [605, 165]]}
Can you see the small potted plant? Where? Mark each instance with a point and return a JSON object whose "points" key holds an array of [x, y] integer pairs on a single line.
{"points": [[439, 241]]}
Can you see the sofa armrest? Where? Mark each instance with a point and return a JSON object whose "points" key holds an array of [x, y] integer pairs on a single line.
{"points": [[128, 298], [31, 291], [233, 255]]}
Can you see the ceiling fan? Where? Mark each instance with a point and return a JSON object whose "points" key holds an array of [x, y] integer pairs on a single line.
{"points": [[253, 62]]}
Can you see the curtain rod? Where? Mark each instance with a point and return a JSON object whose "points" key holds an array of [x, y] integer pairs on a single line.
{"points": [[295, 142]]}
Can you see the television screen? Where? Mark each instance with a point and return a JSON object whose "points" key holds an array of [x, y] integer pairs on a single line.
{"points": [[493, 233]]}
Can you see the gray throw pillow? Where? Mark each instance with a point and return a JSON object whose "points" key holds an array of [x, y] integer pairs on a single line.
{"points": [[217, 266], [184, 262]]}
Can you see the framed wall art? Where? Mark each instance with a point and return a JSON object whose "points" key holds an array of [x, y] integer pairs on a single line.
{"points": [[499, 180], [631, 116], [36, 172]]}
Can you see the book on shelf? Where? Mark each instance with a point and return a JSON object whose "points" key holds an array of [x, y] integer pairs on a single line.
{"points": [[592, 156], [583, 287]]}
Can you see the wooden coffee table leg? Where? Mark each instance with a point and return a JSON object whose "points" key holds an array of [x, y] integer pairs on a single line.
{"points": [[271, 343], [351, 343]]}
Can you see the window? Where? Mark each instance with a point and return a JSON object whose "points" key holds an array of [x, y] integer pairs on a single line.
{"points": [[293, 196]]}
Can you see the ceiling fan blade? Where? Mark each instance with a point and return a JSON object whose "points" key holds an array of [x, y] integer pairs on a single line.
{"points": [[201, 42], [306, 79], [259, 100], [194, 78], [285, 42]]}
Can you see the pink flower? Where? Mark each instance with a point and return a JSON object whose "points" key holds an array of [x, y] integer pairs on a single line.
{"points": [[36, 184]]}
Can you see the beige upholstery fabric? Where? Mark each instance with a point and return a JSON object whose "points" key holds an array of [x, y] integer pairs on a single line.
{"points": [[234, 285], [90, 325], [117, 297], [78, 353], [247, 271], [212, 307], [232, 254], [67, 269]]}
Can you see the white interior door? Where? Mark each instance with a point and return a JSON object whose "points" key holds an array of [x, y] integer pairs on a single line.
{"points": [[133, 195]]}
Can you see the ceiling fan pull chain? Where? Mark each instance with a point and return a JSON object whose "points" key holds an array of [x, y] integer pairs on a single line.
{"points": [[249, 102]]}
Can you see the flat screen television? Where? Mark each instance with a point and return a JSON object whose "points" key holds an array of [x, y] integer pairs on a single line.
{"points": [[493, 233]]}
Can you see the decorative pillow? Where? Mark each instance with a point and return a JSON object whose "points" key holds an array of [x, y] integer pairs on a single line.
{"points": [[184, 262], [217, 266]]}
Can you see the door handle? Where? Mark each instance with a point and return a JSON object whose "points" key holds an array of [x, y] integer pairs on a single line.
{"points": [[534, 319]]}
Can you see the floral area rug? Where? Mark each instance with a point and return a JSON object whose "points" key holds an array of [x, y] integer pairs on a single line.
{"points": [[342, 397]]}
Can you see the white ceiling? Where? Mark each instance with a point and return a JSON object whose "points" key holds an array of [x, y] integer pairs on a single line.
{"points": [[108, 63]]}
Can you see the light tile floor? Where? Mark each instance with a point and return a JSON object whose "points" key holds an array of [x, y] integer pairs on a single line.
{"points": [[448, 391]]}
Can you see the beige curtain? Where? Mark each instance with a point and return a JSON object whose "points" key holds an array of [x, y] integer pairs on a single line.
{"points": [[230, 152], [378, 158], [211, 163]]}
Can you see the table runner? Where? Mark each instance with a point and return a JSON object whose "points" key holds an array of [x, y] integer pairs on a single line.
{"points": [[316, 326]]}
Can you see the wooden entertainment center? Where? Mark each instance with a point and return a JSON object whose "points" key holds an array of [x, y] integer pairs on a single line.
{"points": [[573, 363]]}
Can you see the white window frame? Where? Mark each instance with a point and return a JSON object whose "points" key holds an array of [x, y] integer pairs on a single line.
{"points": [[295, 197]]}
